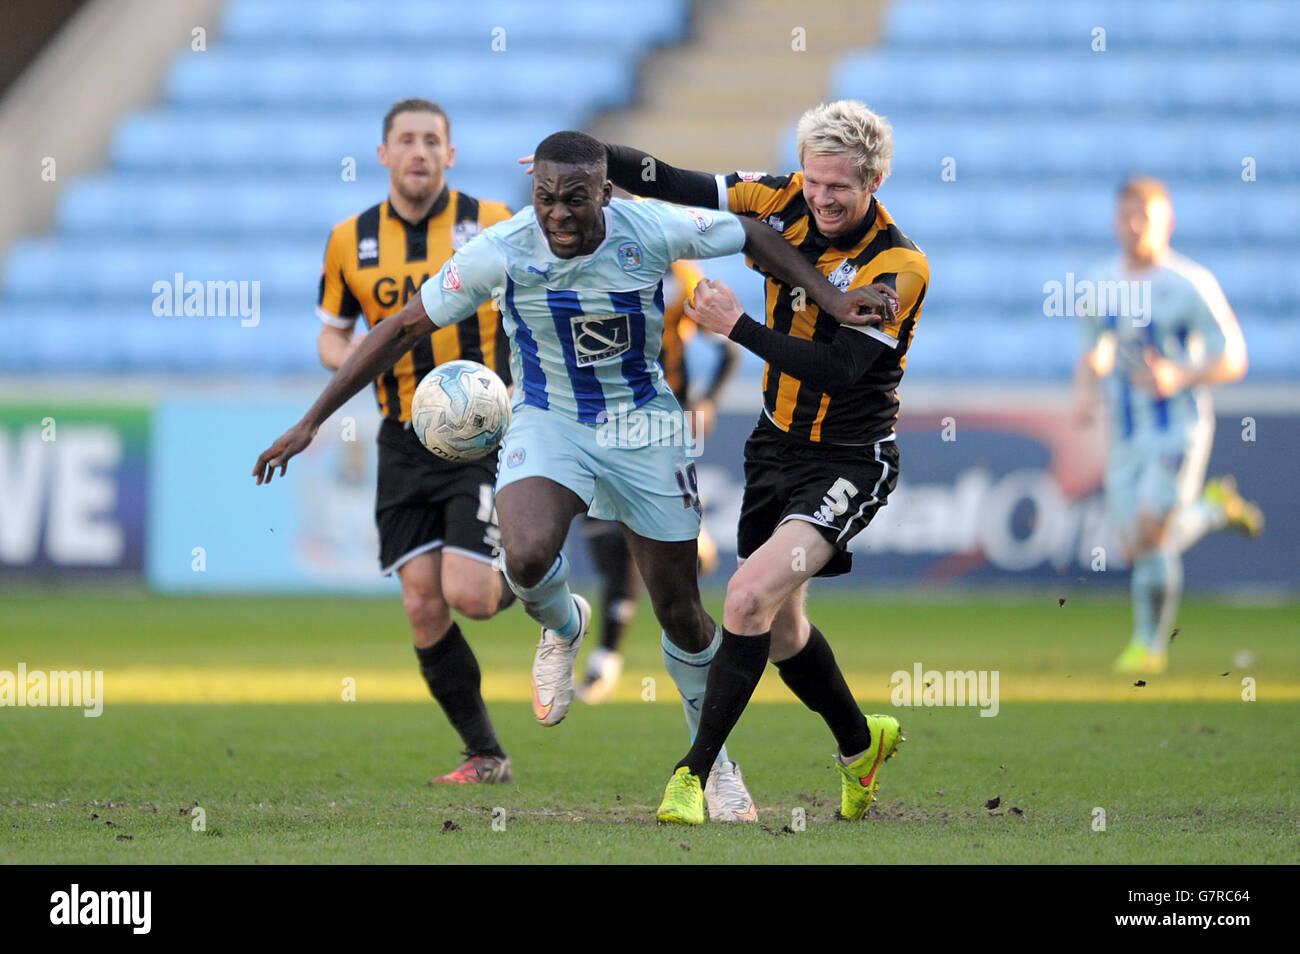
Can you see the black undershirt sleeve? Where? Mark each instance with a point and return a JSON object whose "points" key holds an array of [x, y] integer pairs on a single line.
{"points": [[628, 169], [829, 367]]}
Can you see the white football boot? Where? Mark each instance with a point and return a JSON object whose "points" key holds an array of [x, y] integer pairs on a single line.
{"points": [[726, 795], [553, 669]]}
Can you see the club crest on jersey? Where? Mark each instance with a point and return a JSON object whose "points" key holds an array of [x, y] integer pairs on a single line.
{"points": [[368, 250], [703, 221], [750, 176], [843, 276], [629, 256], [461, 233], [598, 337], [451, 277]]}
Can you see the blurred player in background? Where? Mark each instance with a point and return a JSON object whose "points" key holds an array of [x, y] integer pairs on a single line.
{"points": [[822, 459], [1155, 366], [619, 580], [437, 526]]}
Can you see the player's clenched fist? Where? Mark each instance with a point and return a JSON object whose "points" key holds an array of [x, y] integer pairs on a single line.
{"points": [[714, 307], [292, 442]]}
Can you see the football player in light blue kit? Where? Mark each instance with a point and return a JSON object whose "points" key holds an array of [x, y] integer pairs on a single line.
{"points": [[595, 428], [1160, 334]]}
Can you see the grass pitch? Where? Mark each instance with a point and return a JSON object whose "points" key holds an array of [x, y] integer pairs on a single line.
{"points": [[236, 707]]}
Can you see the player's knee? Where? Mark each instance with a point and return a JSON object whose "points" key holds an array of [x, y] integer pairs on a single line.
{"points": [[681, 621], [424, 606], [474, 600], [746, 607], [527, 565]]}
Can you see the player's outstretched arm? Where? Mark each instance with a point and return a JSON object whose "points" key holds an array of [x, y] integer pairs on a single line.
{"points": [[378, 351]]}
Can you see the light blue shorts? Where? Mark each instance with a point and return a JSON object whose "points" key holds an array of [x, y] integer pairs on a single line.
{"points": [[637, 469], [1154, 477]]}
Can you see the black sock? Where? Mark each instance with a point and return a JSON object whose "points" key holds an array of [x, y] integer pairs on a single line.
{"points": [[814, 677], [737, 666], [614, 560], [452, 672]]}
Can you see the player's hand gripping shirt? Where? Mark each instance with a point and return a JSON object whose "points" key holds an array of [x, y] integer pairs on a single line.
{"points": [[585, 332], [1178, 309]]}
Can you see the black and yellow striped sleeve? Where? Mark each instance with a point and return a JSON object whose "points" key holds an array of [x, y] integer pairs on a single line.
{"points": [[336, 306], [756, 193]]}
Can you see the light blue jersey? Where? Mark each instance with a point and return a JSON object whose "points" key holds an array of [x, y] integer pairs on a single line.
{"points": [[1178, 309], [585, 332]]}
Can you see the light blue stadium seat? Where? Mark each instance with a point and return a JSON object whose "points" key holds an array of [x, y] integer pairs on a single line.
{"points": [[227, 207], [440, 24], [284, 143], [1072, 81], [1149, 24], [594, 77]]}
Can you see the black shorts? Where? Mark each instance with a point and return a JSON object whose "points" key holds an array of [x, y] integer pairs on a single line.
{"points": [[837, 489], [424, 503]]}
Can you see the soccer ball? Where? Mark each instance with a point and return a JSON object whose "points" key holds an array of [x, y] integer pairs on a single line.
{"points": [[460, 410]]}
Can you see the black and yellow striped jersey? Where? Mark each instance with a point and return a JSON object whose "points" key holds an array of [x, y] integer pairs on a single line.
{"points": [[877, 251], [376, 262]]}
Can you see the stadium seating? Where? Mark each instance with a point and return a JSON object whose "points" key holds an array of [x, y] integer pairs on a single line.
{"points": [[1012, 133], [1014, 127]]}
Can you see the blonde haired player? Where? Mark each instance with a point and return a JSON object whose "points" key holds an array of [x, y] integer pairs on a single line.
{"points": [[1155, 368], [822, 459]]}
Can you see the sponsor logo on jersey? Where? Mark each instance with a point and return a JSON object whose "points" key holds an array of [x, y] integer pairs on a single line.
{"points": [[703, 221], [598, 337], [824, 515], [776, 222], [368, 250], [543, 272], [843, 276], [751, 176], [451, 277], [462, 232], [629, 256]]}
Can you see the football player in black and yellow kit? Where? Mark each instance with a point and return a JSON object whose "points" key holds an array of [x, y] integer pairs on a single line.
{"points": [[822, 459], [437, 525]]}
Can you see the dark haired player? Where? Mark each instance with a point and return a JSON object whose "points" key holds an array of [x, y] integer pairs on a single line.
{"points": [[437, 528]]}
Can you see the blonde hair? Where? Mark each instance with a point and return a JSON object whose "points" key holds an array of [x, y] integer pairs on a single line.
{"points": [[847, 127]]}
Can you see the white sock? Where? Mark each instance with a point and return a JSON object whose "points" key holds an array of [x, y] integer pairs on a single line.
{"points": [[690, 671], [1193, 521]]}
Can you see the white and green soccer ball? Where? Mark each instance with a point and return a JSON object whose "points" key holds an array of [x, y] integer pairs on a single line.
{"points": [[460, 410]]}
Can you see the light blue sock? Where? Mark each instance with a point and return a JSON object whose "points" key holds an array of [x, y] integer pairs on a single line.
{"points": [[690, 671], [549, 601], [1150, 582], [1168, 598]]}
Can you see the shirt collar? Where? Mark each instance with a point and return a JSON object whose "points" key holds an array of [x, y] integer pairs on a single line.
{"points": [[439, 206]]}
